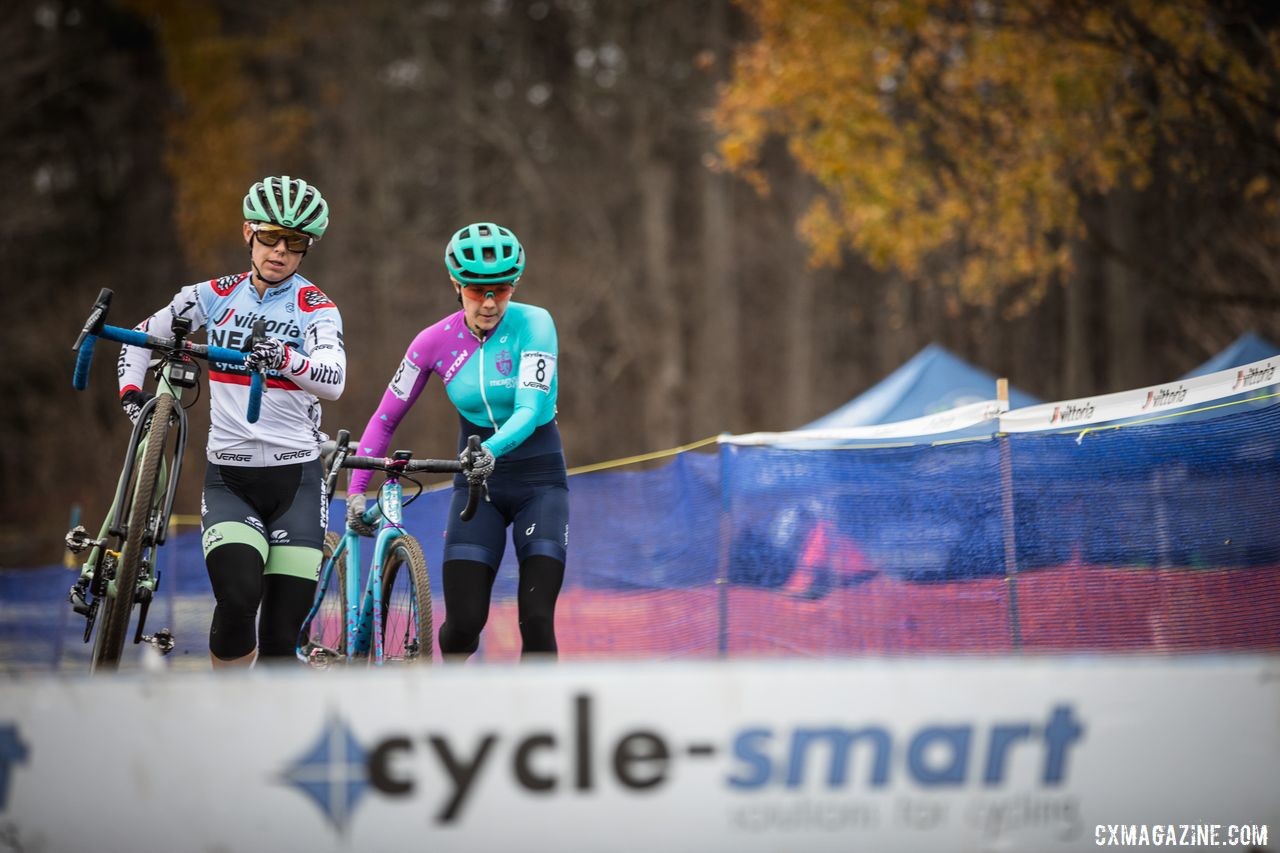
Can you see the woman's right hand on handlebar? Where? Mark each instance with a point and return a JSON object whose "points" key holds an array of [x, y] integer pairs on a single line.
{"points": [[355, 515], [132, 402]]}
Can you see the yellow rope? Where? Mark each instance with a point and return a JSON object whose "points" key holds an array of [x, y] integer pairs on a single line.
{"points": [[644, 457], [176, 521], [1155, 418]]}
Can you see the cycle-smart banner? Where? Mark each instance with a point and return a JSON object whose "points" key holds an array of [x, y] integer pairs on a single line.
{"points": [[1046, 755]]}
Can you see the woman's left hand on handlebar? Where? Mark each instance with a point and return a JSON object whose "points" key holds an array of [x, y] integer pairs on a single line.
{"points": [[270, 354], [477, 467]]}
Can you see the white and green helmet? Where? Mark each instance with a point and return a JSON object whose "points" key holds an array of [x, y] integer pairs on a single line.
{"points": [[289, 202]]}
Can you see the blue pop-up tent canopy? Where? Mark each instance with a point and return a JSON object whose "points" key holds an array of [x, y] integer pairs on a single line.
{"points": [[1246, 349], [933, 381]]}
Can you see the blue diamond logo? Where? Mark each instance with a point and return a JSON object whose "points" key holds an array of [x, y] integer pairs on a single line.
{"points": [[333, 773]]}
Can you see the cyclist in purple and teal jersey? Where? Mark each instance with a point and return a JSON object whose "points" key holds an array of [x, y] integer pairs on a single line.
{"points": [[497, 359], [262, 512]]}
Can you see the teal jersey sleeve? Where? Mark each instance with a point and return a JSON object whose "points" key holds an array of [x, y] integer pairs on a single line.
{"points": [[533, 401], [505, 382]]}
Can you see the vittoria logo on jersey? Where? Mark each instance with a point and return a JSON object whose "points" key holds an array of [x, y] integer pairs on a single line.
{"points": [[312, 298], [223, 286], [504, 363]]}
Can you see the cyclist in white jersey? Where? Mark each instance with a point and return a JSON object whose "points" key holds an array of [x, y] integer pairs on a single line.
{"points": [[262, 512]]}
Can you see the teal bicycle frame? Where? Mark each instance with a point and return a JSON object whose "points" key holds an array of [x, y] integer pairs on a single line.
{"points": [[364, 615], [364, 620]]}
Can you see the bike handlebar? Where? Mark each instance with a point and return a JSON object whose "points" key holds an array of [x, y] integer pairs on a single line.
{"points": [[412, 466], [95, 327], [396, 467]]}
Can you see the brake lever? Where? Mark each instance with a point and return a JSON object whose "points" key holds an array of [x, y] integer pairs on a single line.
{"points": [[97, 317]]}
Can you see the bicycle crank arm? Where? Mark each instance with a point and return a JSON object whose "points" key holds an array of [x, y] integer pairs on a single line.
{"points": [[90, 619], [78, 595], [143, 597]]}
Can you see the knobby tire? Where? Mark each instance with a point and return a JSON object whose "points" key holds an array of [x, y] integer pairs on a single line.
{"points": [[116, 611], [329, 627], [406, 604]]}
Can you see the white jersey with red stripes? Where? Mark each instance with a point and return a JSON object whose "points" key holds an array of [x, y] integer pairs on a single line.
{"points": [[296, 312]]}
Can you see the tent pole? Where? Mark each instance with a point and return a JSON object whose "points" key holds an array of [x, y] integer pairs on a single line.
{"points": [[724, 556], [1010, 536]]}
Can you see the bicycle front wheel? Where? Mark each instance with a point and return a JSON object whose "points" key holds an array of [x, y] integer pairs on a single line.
{"points": [[406, 604], [324, 637], [117, 608]]}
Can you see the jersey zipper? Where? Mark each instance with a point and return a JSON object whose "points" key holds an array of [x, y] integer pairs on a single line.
{"points": [[483, 396]]}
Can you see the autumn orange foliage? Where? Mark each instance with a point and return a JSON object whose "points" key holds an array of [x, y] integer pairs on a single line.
{"points": [[966, 132], [224, 133]]}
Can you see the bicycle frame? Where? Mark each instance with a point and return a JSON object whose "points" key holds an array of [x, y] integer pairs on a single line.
{"points": [[153, 469], [363, 612], [363, 619], [158, 518]]}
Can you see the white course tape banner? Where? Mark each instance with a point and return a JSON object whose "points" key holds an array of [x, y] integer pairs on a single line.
{"points": [[1153, 400], [939, 755], [948, 421]]}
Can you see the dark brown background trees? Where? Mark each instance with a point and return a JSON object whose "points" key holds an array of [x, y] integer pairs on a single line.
{"points": [[685, 300]]}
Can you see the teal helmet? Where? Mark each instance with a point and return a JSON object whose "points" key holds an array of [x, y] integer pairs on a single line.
{"points": [[288, 202], [484, 253]]}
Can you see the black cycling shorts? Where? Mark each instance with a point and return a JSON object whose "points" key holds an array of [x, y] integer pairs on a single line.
{"points": [[280, 511]]}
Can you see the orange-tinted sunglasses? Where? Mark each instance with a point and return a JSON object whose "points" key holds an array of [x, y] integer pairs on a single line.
{"points": [[481, 292]]}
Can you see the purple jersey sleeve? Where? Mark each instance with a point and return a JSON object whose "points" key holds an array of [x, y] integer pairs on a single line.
{"points": [[402, 391]]}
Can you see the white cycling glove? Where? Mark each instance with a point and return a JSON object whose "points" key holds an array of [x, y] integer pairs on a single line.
{"points": [[271, 354], [132, 402]]}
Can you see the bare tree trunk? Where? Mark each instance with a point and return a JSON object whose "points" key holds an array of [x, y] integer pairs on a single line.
{"points": [[663, 401], [994, 339], [1075, 328], [718, 404], [463, 86], [798, 294], [1124, 297]]}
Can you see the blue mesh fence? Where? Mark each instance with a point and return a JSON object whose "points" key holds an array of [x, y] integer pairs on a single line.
{"points": [[1160, 538]]}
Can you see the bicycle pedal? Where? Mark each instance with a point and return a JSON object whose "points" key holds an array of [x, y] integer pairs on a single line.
{"points": [[320, 658], [162, 640], [78, 540]]}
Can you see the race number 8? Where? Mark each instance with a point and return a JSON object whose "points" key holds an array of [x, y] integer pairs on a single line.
{"points": [[537, 370]]}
